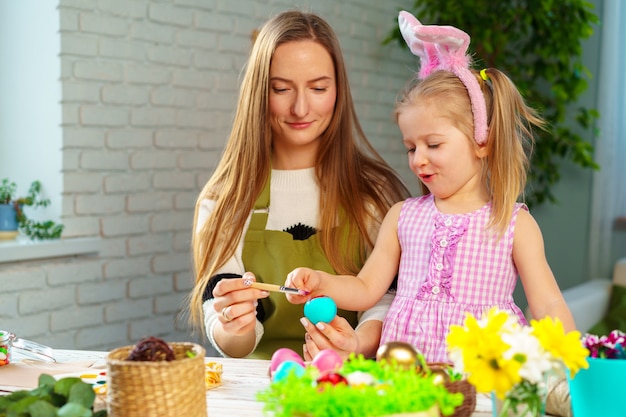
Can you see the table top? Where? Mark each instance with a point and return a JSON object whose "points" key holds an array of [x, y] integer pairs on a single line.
{"points": [[242, 379]]}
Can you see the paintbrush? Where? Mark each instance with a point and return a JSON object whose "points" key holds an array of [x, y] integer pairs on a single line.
{"points": [[277, 288]]}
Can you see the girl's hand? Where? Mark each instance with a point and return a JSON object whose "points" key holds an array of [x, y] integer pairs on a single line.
{"points": [[235, 304], [304, 279], [337, 335]]}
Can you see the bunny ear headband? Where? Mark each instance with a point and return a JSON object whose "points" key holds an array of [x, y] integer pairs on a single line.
{"points": [[444, 48]]}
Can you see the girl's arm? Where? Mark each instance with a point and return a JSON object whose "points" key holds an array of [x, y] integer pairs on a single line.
{"points": [[542, 291], [363, 291]]}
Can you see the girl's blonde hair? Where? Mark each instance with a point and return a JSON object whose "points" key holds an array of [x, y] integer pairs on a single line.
{"points": [[356, 185], [510, 137]]}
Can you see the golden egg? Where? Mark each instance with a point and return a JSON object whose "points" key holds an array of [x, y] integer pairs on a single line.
{"points": [[440, 376], [403, 354]]}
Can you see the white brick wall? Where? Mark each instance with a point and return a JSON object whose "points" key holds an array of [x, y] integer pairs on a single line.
{"points": [[148, 93]]}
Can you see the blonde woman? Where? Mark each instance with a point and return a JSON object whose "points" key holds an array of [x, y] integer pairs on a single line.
{"points": [[298, 184]]}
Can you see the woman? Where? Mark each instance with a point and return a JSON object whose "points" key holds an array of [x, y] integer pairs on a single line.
{"points": [[298, 184]]}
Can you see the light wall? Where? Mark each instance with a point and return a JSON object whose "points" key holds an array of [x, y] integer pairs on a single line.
{"points": [[148, 90]]}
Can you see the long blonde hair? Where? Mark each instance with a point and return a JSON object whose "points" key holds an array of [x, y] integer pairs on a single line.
{"points": [[510, 136], [356, 185]]}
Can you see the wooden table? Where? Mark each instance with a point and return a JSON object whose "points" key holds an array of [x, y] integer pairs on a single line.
{"points": [[242, 379]]}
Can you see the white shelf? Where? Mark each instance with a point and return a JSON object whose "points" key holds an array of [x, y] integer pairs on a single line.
{"points": [[25, 249]]}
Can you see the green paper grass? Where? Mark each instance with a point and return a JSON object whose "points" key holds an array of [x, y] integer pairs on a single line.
{"points": [[397, 391]]}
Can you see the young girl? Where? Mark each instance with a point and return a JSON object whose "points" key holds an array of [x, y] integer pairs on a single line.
{"points": [[459, 248]]}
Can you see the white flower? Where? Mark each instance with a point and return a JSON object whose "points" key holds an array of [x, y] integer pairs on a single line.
{"points": [[526, 348], [456, 356]]}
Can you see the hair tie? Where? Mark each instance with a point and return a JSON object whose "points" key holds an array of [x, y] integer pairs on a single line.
{"points": [[483, 74], [444, 48]]}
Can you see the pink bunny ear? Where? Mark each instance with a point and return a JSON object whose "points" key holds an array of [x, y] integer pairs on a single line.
{"points": [[426, 51], [445, 48], [449, 43]]}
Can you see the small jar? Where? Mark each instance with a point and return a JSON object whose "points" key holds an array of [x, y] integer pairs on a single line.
{"points": [[6, 339]]}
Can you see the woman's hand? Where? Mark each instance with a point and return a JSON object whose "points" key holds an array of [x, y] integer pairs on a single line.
{"points": [[235, 303], [337, 335]]}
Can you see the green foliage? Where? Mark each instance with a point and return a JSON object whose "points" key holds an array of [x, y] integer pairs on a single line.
{"points": [[67, 397], [538, 44], [397, 390], [33, 229]]}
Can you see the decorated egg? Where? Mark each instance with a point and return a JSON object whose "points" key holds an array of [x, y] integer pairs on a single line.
{"points": [[327, 360], [320, 309], [331, 377], [360, 379], [404, 354], [440, 377], [286, 368], [284, 354]]}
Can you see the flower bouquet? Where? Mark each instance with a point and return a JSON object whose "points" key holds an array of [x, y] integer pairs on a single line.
{"points": [[599, 390], [512, 361]]}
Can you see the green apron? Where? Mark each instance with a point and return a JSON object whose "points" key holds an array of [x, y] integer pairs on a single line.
{"points": [[271, 255]]}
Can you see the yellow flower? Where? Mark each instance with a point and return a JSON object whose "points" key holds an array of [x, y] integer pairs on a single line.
{"points": [[565, 347], [473, 339], [494, 374], [483, 351]]}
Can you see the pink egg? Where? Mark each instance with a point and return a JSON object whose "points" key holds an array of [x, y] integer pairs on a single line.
{"points": [[284, 354], [327, 360]]}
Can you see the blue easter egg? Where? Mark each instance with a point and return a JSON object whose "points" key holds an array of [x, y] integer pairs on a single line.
{"points": [[320, 309], [287, 368]]}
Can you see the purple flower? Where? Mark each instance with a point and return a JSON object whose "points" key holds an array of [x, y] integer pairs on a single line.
{"points": [[610, 346]]}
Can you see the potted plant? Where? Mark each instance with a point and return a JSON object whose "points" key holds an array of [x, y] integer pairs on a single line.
{"points": [[599, 390], [12, 216], [538, 44]]}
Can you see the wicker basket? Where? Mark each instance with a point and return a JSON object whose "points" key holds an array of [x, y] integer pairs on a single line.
{"points": [[157, 389], [464, 387]]}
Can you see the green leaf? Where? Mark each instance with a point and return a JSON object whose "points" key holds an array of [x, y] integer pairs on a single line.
{"points": [[63, 385], [74, 410], [17, 395], [45, 388], [47, 380], [42, 408], [4, 404], [70, 396], [21, 406], [82, 394]]}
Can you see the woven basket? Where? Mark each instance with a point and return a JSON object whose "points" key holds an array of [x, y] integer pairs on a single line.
{"points": [[157, 389], [464, 387]]}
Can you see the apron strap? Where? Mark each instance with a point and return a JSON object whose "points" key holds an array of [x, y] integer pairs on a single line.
{"points": [[260, 212]]}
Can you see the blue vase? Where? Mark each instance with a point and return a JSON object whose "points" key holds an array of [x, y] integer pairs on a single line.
{"points": [[599, 389], [8, 218]]}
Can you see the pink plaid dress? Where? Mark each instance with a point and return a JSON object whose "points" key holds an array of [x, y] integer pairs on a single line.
{"points": [[448, 267]]}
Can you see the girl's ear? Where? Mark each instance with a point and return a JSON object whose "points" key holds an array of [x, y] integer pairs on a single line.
{"points": [[481, 151]]}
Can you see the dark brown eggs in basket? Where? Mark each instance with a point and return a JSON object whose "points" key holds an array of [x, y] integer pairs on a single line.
{"points": [[151, 349]]}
